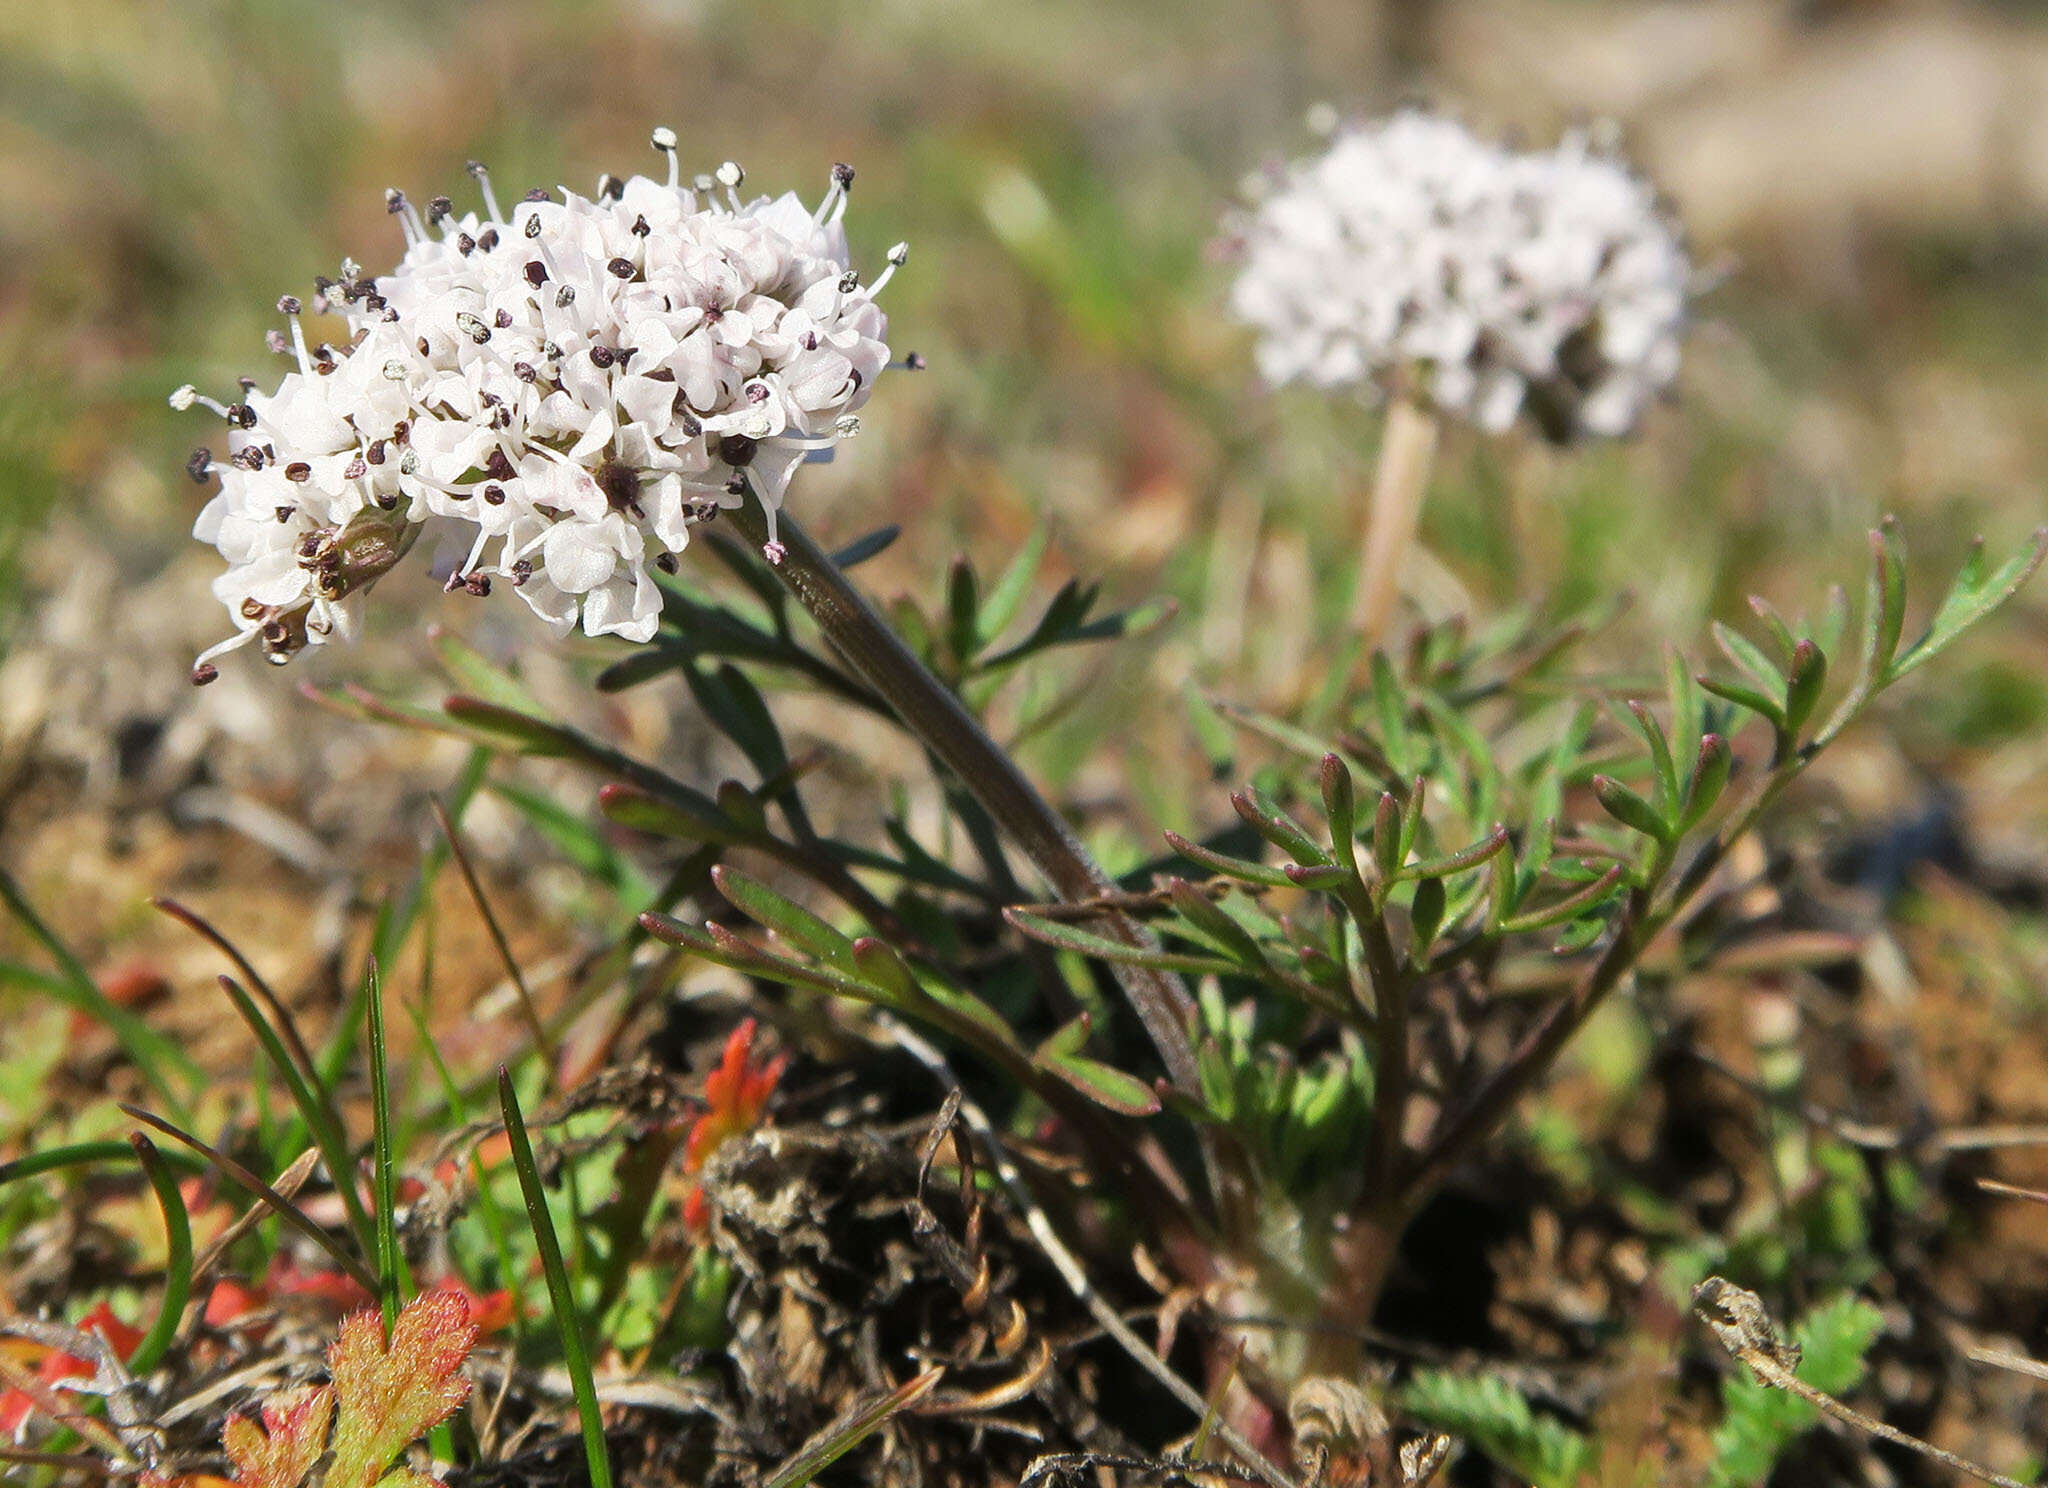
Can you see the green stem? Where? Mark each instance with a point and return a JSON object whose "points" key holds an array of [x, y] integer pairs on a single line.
{"points": [[561, 1296], [177, 1259], [930, 710]]}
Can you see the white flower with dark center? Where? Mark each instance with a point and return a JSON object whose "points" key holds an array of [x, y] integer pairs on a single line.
{"points": [[580, 380], [1415, 256]]}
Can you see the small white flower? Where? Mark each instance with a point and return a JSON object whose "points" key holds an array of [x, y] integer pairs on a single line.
{"points": [[580, 380], [1489, 282]]}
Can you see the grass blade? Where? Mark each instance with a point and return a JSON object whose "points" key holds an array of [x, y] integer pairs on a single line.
{"points": [[149, 1051], [561, 1300], [385, 1164], [80, 1154], [839, 1439], [177, 1258], [322, 1121], [278, 1204]]}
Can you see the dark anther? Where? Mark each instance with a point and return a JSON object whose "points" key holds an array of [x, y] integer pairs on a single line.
{"points": [[849, 282], [356, 470], [252, 609], [422, 344], [388, 500], [666, 562], [465, 244], [757, 392], [621, 268], [536, 272], [810, 340], [298, 470], [691, 428], [289, 305], [478, 584], [200, 465], [610, 187], [736, 450], [736, 485], [309, 545], [842, 175], [532, 228], [375, 454], [204, 673], [540, 193], [401, 431], [494, 495], [521, 572], [488, 239], [620, 484], [603, 355], [394, 202], [439, 207], [283, 513], [247, 384], [640, 227], [499, 466], [476, 170], [378, 302], [242, 416], [914, 362], [565, 297], [524, 372]]}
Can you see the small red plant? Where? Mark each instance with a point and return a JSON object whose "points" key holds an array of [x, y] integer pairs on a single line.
{"points": [[382, 1399], [735, 1095]]}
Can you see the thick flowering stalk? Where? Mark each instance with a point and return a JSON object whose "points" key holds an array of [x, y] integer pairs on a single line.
{"points": [[1465, 279], [575, 383], [929, 709]]}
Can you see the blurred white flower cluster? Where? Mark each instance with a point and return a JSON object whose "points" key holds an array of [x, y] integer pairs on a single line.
{"points": [[1487, 281], [580, 380]]}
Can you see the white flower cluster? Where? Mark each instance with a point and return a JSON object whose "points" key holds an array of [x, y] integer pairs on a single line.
{"points": [[582, 380], [1486, 280]]}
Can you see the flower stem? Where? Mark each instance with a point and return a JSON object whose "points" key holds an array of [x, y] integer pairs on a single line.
{"points": [[1407, 449], [931, 711]]}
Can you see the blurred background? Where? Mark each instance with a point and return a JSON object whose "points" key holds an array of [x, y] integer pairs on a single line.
{"points": [[1867, 182]]}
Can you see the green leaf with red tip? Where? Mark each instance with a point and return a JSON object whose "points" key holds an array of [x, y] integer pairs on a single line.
{"points": [[1108, 1087], [691, 818], [1242, 869], [786, 918], [1630, 809], [282, 1451], [1069, 937], [1461, 861]]}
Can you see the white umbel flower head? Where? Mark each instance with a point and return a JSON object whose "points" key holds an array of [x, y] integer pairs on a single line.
{"points": [[579, 380], [1486, 281]]}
